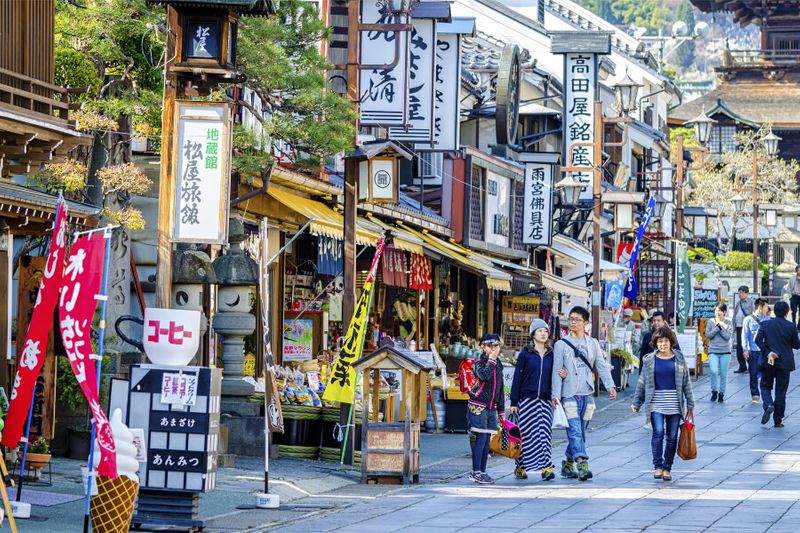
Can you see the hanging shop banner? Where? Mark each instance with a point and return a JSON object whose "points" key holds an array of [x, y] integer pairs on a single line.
{"points": [[341, 385], [683, 285], [32, 356], [613, 294], [497, 228], [384, 91], [79, 296], [447, 84], [580, 93], [630, 287], [272, 405], [420, 84], [201, 156], [537, 217], [521, 310]]}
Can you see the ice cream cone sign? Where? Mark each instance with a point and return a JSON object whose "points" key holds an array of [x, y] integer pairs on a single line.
{"points": [[112, 507]]}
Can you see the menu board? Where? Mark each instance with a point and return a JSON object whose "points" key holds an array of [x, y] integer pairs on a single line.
{"points": [[704, 301], [687, 341]]}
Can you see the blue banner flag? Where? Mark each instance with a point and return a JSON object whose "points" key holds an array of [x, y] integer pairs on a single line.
{"points": [[630, 287]]}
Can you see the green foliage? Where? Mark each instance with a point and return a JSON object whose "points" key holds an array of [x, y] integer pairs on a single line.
{"points": [[69, 393], [39, 446], [75, 69], [734, 260], [650, 14], [701, 254], [684, 55]]}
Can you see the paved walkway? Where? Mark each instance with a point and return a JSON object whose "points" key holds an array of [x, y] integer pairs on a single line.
{"points": [[745, 479]]}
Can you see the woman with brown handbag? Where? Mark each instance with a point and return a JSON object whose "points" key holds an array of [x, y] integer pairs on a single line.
{"points": [[664, 394]]}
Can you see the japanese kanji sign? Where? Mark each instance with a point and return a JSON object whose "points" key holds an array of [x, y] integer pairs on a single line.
{"points": [[341, 385], [179, 422], [580, 93], [537, 214], [32, 356], [683, 286], [176, 460], [384, 92], [421, 84], [179, 389], [202, 172], [81, 286]]}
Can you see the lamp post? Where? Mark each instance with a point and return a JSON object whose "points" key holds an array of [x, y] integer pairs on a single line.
{"points": [[770, 142], [702, 131], [626, 91]]}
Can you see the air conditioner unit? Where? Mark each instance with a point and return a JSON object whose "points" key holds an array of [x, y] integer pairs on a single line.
{"points": [[430, 167]]}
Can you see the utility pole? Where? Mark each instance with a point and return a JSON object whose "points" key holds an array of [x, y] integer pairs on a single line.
{"points": [[165, 190], [679, 190], [756, 272]]}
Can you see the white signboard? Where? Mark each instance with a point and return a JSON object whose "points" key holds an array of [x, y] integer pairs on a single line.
{"points": [[446, 98], [537, 213], [687, 342], [202, 172], [498, 209], [420, 84], [382, 179], [580, 93], [179, 389], [384, 92]]}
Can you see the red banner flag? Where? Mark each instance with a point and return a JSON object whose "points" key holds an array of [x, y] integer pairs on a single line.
{"points": [[82, 278], [30, 361]]}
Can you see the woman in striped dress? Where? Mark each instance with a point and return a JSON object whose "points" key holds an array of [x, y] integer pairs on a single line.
{"points": [[530, 397], [664, 394]]}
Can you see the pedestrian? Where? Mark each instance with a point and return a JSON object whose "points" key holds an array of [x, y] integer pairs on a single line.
{"points": [[657, 321], [743, 308], [530, 398], [580, 355], [630, 327], [664, 394], [486, 405], [719, 331], [793, 289], [777, 338], [751, 351]]}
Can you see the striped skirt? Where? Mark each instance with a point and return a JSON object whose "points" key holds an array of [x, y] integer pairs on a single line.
{"points": [[536, 425]]}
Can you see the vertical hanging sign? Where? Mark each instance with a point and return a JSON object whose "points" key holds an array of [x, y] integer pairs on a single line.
{"points": [[537, 213], [683, 285], [447, 85], [384, 91], [202, 172], [421, 84], [580, 88]]}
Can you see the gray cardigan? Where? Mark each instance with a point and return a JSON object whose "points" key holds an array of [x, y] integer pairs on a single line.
{"points": [[719, 338], [564, 357], [647, 385]]}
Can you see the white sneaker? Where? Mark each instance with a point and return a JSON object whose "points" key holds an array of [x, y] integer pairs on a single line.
{"points": [[756, 399], [648, 425]]}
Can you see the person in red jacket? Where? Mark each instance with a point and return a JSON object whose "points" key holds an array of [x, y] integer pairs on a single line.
{"points": [[486, 404]]}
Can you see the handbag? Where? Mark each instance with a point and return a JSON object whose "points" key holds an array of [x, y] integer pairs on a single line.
{"points": [[507, 441], [560, 419], [687, 444]]}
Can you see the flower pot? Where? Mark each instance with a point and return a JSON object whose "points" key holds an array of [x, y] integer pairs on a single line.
{"points": [[78, 444], [35, 461]]}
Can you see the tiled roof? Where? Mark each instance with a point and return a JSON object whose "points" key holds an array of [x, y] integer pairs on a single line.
{"points": [[758, 103]]}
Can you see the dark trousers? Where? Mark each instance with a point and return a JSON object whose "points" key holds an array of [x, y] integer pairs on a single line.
{"points": [[780, 378], [480, 451], [795, 303], [739, 354], [754, 366], [664, 426]]}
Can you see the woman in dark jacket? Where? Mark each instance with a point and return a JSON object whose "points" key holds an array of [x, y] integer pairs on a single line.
{"points": [[530, 397], [486, 403]]}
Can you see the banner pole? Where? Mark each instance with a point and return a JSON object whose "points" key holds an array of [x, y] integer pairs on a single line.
{"points": [[33, 394], [99, 368]]}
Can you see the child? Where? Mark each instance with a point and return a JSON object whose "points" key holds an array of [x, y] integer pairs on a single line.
{"points": [[486, 402]]}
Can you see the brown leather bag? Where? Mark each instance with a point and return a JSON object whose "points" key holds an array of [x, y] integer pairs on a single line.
{"points": [[687, 445]]}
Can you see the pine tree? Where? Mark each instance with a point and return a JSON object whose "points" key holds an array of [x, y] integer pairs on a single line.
{"points": [[684, 55]]}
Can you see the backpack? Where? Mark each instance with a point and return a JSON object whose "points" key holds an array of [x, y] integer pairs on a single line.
{"points": [[466, 378]]}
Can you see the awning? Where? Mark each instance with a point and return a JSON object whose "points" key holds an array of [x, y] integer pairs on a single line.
{"points": [[325, 221], [495, 279], [564, 246], [554, 283], [401, 239]]}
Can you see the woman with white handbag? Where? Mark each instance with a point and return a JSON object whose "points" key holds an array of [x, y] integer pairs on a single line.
{"points": [[530, 397]]}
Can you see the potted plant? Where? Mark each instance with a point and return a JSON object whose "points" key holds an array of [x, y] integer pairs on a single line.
{"points": [[38, 454], [69, 395]]}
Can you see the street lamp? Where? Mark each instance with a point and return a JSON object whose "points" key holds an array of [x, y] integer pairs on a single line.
{"points": [[771, 143], [739, 203], [625, 91], [398, 7], [702, 127], [569, 190]]}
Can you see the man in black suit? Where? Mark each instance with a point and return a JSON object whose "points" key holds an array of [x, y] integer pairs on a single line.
{"points": [[777, 339]]}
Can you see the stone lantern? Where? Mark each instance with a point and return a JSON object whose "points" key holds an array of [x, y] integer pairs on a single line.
{"points": [[788, 240], [237, 277], [191, 270]]}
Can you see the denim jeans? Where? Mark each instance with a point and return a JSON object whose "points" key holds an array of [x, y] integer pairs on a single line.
{"points": [[579, 411], [664, 425], [754, 367], [718, 365]]}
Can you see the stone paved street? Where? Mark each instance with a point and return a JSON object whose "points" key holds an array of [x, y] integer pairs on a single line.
{"points": [[744, 479]]}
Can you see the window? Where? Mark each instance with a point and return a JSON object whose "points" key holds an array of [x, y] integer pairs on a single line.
{"points": [[721, 139]]}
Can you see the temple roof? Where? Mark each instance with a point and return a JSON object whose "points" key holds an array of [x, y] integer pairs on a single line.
{"points": [[752, 104], [750, 11]]}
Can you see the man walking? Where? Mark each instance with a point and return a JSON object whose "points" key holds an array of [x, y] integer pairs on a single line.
{"points": [[776, 338], [743, 308], [657, 321], [750, 350], [579, 354], [793, 289]]}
